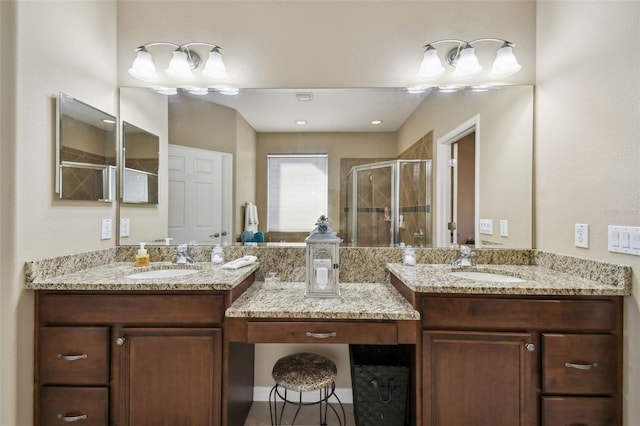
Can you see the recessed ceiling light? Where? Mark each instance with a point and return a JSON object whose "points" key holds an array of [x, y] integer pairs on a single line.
{"points": [[376, 122], [301, 122], [108, 121]]}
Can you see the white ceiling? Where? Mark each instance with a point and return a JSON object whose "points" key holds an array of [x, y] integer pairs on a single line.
{"points": [[335, 110]]}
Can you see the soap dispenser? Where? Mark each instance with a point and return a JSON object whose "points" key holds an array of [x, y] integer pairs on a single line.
{"points": [[142, 258], [217, 255]]}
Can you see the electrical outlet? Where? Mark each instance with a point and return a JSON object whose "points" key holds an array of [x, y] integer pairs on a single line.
{"points": [[581, 236], [106, 229], [124, 227]]}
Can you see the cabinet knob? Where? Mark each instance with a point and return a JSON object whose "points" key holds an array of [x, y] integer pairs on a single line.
{"points": [[224, 233], [214, 235], [120, 341], [69, 419], [530, 347]]}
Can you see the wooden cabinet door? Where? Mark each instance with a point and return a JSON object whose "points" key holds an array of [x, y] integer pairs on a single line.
{"points": [[479, 378], [168, 376]]}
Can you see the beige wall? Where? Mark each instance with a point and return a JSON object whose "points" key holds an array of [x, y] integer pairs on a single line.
{"points": [[244, 171], [336, 145], [505, 138], [588, 142], [62, 46]]}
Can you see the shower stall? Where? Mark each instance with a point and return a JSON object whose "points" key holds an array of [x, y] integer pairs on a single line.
{"points": [[389, 203]]}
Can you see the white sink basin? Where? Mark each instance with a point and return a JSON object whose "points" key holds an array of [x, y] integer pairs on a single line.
{"points": [[486, 276], [163, 273]]}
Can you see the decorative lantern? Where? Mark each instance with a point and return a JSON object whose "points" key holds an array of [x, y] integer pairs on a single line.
{"points": [[323, 260]]}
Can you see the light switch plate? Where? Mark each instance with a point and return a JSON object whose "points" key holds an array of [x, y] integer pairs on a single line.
{"points": [[486, 226], [624, 239], [106, 229], [124, 227], [504, 228], [582, 235]]}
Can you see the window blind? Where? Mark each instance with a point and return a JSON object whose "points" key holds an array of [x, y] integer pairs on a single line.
{"points": [[297, 191]]}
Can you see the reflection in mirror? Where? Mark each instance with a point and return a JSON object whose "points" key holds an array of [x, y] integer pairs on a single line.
{"points": [[140, 159], [503, 185], [85, 150]]}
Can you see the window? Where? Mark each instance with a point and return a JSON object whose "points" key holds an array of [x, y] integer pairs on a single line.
{"points": [[297, 191]]}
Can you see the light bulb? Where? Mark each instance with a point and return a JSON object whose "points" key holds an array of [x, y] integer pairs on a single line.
{"points": [[505, 64], [467, 65], [143, 67], [431, 66]]}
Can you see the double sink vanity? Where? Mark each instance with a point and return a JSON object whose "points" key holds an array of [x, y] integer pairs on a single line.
{"points": [[525, 337]]}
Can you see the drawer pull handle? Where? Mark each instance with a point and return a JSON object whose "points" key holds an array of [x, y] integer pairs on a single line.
{"points": [[69, 419], [581, 366], [72, 357], [321, 335]]}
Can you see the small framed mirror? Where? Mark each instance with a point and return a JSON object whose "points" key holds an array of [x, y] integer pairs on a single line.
{"points": [[140, 164], [86, 147]]}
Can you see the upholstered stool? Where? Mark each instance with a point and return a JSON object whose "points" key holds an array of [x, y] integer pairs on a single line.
{"points": [[304, 372]]}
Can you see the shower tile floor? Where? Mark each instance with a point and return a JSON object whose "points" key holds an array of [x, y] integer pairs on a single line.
{"points": [[259, 415]]}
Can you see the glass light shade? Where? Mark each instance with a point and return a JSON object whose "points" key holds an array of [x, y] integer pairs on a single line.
{"points": [[200, 91], [214, 69], [468, 65], [431, 66], [166, 90], [143, 67], [179, 67], [505, 64]]}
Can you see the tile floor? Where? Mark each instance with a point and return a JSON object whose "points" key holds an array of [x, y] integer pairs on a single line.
{"points": [[259, 415]]}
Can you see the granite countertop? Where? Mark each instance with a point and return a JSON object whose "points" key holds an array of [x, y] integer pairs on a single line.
{"points": [[112, 276], [356, 301], [434, 278]]}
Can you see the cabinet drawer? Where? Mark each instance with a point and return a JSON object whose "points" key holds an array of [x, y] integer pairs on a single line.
{"points": [[153, 309], [583, 411], [73, 355], [579, 363], [80, 406], [479, 313], [322, 332]]}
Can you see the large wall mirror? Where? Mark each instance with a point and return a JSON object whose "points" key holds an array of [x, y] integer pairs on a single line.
{"points": [[140, 165], [86, 146], [501, 165]]}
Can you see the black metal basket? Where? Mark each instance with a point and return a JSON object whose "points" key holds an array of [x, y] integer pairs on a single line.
{"points": [[380, 376]]}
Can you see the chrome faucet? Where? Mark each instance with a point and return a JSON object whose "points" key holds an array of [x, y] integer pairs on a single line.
{"points": [[182, 254], [466, 257]]}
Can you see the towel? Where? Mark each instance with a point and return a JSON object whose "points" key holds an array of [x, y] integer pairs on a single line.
{"points": [[240, 262], [251, 218]]}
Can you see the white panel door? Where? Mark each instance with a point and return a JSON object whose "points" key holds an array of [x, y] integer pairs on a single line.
{"points": [[199, 195]]}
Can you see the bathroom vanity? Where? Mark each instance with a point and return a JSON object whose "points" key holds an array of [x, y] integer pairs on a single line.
{"points": [[542, 347], [546, 350], [117, 350]]}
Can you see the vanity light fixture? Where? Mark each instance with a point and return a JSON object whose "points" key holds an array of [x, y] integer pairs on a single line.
{"points": [[464, 60], [183, 62]]}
